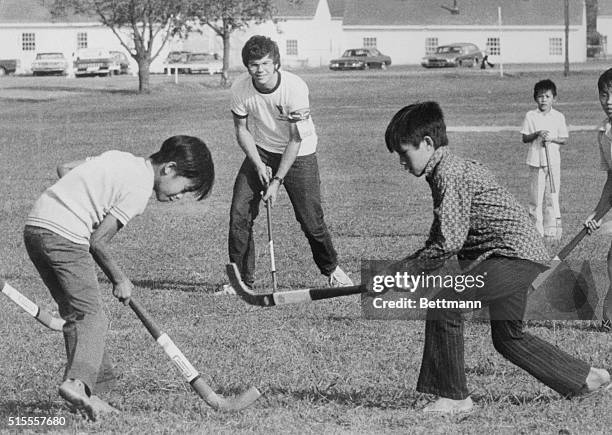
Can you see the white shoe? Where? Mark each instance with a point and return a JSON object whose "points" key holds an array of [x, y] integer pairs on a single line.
{"points": [[227, 290], [339, 279], [449, 406]]}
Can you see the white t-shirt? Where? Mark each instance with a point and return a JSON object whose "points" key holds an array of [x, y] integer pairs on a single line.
{"points": [[553, 121], [605, 145], [269, 113], [114, 182]]}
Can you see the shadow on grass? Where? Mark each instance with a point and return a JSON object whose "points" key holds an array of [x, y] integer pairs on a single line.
{"points": [[13, 408], [71, 89], [364, 399], [182, 286]]}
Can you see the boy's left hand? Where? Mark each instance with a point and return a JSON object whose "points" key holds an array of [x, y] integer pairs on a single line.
{"points": [[123, 291], [271, 192]]}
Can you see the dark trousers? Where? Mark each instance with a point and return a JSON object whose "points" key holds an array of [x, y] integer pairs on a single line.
{"points": [[302, 184], [507, 281], [68, 271]]}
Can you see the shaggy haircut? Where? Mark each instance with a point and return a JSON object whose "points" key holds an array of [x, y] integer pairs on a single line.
{"points": [[605, 80], [258, 47], [193, 161], [412, 123], [543, 86]]}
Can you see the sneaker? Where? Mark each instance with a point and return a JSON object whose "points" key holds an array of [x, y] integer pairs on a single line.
{"points": [[226, 290], [559, 232], [75, 393], [339, 279], [449, 406]]}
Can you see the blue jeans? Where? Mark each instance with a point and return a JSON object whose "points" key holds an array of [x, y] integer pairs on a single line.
{"points": [[505, 291], [302, 184], [68, 271]]}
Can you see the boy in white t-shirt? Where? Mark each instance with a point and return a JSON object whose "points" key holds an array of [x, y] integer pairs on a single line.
{"points": [[604, 137], [544, 128], [68, 231], [273, 126]]}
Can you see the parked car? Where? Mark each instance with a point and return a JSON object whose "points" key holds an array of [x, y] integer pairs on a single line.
{"points": [[8, 66], [208, 63], [92, 62], [360, 58], [456, 54], [49, 63], [175, 57], [120, 64]]}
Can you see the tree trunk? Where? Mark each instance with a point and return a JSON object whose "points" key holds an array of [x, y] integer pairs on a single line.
{"points": [[143, 75], [225, 80]]}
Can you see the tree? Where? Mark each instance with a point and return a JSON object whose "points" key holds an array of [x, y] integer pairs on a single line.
{"points": [[227, 16], [150, 23]]}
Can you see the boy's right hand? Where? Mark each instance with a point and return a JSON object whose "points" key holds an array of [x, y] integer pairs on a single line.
{"points": [[123, 291], [263, 174], [591, 224], [545, 135]]}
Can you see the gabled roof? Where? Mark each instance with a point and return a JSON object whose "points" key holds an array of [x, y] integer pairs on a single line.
{"points": [[34, 11], [604, 7], [336, 8], [301, 8], [471, 12]]}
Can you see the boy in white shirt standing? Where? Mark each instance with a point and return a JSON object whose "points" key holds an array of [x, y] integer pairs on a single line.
{"points": [[544, 128], [68, 232]]}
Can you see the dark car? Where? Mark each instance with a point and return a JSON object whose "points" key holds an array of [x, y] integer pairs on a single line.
{"points": [[456, 54], [121, 64], [360, 58]]}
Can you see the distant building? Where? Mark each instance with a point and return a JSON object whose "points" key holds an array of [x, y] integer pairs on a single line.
{"points": [[604, 24], [407, 30], [311, 32]]}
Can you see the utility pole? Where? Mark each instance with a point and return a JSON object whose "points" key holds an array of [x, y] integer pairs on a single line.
{"points": [[566, 67]]}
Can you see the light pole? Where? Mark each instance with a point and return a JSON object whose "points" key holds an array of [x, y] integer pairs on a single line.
{"points": [[566, 14]]}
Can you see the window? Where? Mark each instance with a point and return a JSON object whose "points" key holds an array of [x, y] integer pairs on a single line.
{"points": [[493, 46], [292, 47], [81, 40], [555, 46], [369, 42], [430, 45], [28, 41]]}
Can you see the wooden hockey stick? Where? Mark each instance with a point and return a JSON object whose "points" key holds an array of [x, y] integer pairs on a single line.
{"points": [[190, 374], [289, 296], [42, 315]]}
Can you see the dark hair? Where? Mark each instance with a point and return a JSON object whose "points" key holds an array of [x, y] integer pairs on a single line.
{"points": [[543, 86], [193, 161], [412, 123], [258, 47], [605, 80]]}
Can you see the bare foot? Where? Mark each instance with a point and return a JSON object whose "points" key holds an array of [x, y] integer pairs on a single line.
{"points": [[445, 405]]}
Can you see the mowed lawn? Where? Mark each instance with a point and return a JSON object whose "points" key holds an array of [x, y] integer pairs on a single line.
{"points": [[322, 367]]}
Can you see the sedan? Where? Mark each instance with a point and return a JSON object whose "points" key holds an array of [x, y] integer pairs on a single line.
{"points": [[49, 63], [361, 58], [457, 54]]}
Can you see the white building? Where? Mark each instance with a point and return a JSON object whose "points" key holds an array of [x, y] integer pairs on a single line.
{"points": [[604, 24], [311, 32], [407, 30]]}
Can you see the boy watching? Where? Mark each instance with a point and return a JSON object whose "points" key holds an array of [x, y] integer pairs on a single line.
{"points": [[68, 231], [492, 235], [604, 85], [545, 129], [271, 112]]}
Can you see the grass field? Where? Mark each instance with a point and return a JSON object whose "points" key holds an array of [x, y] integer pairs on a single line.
{"points": [[322, 368]]}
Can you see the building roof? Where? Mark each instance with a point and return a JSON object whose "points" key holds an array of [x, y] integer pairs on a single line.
{"points": [[34, 11], [604, 7], [336, 8], [471, 12], [293, 8]]}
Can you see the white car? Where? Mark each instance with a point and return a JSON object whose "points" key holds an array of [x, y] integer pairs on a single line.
{"points": [[49, 63], [93, 62], [208, 63]]}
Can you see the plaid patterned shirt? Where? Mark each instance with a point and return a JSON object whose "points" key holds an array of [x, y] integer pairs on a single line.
{"points": [[474, 217]]}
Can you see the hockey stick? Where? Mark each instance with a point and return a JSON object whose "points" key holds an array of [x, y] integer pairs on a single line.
{"points": [[270, 239], [549, 169], [286, 297], [42, 315], [190, 374]]}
